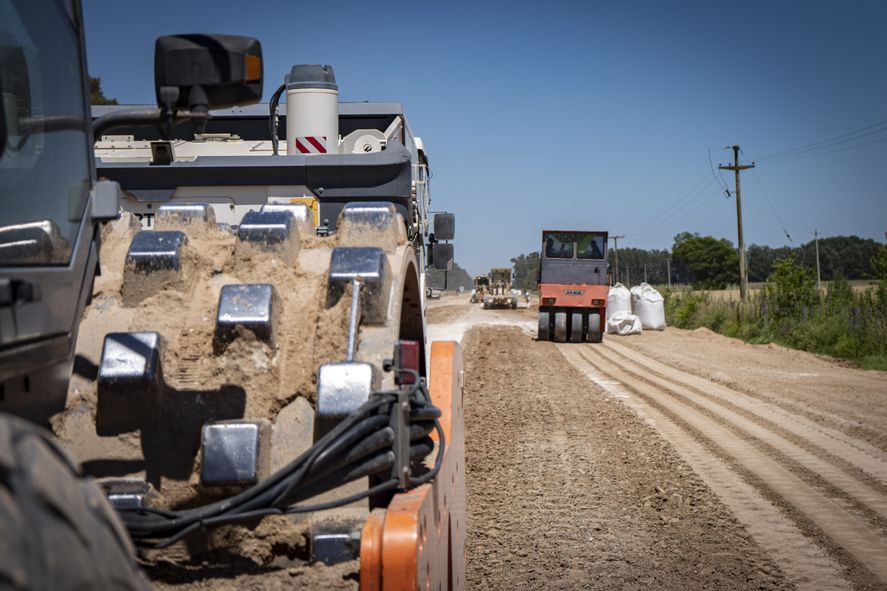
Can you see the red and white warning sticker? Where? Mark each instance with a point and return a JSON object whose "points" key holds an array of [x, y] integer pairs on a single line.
{"points": [[311, 144]]}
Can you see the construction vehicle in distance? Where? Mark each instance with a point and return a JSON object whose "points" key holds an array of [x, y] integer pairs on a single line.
{"points": [[252, 344], [499, 294], [481, 285], [572, 286]]}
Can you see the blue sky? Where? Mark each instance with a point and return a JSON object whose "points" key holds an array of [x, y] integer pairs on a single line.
{"points": [[583, 115]]}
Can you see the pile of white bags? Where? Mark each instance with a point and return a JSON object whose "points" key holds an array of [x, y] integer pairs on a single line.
{"points": [[618, 300], [623, 323], [649, 306]]}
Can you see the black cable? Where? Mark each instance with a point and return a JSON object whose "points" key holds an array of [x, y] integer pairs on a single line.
{"points": [[262, 494], [442, 442], [273, 122], [360, 445]]}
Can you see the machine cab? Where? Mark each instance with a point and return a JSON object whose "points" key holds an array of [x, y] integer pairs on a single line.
{"points": [[571, 257]]}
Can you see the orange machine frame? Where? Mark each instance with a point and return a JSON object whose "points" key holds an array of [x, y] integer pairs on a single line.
{"points": [[574, 295], [418, 541]]}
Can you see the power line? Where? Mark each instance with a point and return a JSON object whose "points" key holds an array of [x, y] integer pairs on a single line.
{"points": [[826, 143], [844, 149], [718, 178], [679, 203], [683, 212], [772, 208]]}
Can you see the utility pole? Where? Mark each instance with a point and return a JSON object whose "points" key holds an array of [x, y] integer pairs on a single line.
{"points": [[668, 270], [615, 240], [743, 275], [818, 277]]}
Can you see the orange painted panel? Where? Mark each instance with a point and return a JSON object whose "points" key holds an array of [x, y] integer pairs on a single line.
{"points": [[574, 296], [422, 542]]}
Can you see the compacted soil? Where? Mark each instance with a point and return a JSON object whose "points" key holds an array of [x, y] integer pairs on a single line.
{"points": [[669, 460], [569, 489]]}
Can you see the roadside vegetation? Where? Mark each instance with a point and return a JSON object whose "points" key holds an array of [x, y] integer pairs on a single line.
{"points": [[840, 321]]}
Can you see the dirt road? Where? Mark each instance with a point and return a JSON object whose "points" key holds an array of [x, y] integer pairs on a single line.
{"points": [[672, 460]]}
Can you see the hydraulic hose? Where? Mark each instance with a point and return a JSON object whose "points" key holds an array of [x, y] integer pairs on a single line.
{"points": [[361, 445], [273, 121]]}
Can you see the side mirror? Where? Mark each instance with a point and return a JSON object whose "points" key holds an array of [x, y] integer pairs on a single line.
{"points": [[208, 71], [442, 257], [444, 226]]}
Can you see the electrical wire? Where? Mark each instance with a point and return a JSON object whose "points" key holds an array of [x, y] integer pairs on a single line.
{"points": [[769, 202], [823, 153], [879, 127], [679, 215], [719, 177], [688, 198]]}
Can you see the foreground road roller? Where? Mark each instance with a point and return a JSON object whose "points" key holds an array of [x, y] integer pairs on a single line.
{"points": [[226, 333], [572, 286]]}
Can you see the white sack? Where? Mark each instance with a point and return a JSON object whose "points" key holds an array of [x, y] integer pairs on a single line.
{"points": [[624, 323], [618, 300], [649, 305]]}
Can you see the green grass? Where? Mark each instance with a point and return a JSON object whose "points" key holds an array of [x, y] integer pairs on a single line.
{"points": [[877, 362], [840, 322]]}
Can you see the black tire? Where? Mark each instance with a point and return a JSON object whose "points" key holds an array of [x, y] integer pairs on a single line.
{"points": [[57, 529]]}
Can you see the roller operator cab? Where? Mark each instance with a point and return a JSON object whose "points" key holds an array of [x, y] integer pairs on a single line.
{"points": [[572, 286]]}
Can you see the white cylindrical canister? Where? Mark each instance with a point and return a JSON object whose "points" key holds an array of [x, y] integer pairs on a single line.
{"points": [[312, 110]]}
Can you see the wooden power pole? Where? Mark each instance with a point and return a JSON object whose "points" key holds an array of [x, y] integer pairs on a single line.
{"points": [[615, 240], [743, 273], [668, 270], [818, 276]]}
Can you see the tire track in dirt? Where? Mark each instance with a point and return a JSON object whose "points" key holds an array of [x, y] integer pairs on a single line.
{"points": [[806, 565], [846, 530], [855, 452], [821, 389], [872, 499]]}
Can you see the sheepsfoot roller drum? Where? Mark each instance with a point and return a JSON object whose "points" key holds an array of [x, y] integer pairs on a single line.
{"points": [[252, 371], [572, 287]]}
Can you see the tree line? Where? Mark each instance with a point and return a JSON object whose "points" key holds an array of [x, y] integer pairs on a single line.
{"points": [[707, 262]]}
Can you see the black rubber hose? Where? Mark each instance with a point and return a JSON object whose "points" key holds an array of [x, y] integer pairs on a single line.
{"points": [[381, 439], [273, 122], [421, 448], [420, 430], [156, 523], [357, 447], [424, 413], [357, 432], [376, 464], [438, 462]]}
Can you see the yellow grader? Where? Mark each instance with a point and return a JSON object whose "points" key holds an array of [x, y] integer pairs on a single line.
{"points": [[499, 292]]}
